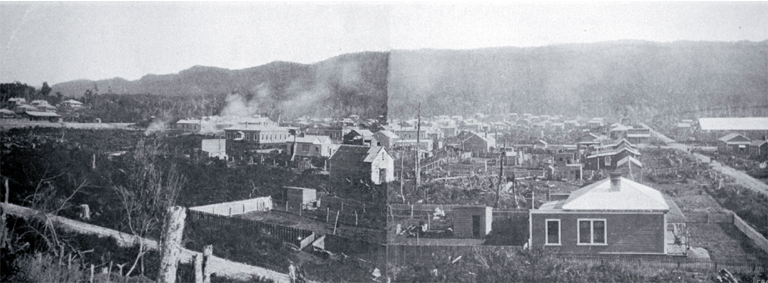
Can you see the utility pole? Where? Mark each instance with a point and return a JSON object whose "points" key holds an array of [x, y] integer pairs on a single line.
{"points": [[402, 194], [501, 176], [418, 145]]}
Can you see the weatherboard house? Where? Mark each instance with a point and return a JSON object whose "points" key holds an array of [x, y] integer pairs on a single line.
{"points": [[612, 216], [354, 163]]}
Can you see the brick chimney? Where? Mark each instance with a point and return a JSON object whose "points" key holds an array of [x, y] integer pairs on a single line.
{"points": [[615, 181]]}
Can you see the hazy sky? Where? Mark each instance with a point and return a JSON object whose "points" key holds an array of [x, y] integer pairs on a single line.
{"points": [[57, 42]]}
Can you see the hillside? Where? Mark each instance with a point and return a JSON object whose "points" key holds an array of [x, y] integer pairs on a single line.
{"points": [[646, 80], [343, 85]]}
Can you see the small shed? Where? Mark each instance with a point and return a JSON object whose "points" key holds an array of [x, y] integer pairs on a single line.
{"points": [[298, 197], [471, 221]]}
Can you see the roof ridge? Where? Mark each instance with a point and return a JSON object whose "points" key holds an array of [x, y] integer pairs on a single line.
{"points": [[643, 191]]}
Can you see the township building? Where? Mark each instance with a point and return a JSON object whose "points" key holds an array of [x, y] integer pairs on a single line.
{"points": [[188, 125], [385, 138], [265, 136], [751, 127], [612, 158], [215, 148], [612, 216], [733, 143], [311, 146], [353, 163]]}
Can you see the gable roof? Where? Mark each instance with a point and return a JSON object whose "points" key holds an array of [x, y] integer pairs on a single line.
{"points": [[619, 128], [759, 142], [734, 124], [356, 153], [732, 136], [615, 152], [72, 101], [630, 196], [387, 134]]}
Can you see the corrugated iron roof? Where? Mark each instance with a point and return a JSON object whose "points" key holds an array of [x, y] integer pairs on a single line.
{"points": [[731, 136], [356, 153], [42, 114], [630, 196]]}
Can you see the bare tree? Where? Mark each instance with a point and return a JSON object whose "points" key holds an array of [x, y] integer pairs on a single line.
{"points": [[146, 195]]}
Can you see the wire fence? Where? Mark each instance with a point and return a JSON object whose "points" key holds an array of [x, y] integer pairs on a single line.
{"points": [[348, 212], [299, 237]]}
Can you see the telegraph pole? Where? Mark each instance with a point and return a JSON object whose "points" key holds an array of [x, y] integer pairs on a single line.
{"points": [[418, 145], [501, 174]]}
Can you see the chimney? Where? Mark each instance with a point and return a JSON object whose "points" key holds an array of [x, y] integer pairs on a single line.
{"points": [[615, 181]]}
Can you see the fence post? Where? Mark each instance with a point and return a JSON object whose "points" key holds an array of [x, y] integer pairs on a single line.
{"points": [[342, 205], [363, 207], [207, 253], [337, 222], [411, 211], [355, 217], [198, 268], [171, 244]]}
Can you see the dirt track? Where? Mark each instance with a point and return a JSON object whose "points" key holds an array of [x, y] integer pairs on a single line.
{"points": [[740, 177], [220, 266]]}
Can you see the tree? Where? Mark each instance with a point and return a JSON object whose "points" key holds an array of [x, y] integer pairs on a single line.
{"points": [[45, 90], [146, 194]]}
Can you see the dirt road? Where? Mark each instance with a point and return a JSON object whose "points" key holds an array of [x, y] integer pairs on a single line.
{"points": [[740, 177], [221, 267]]}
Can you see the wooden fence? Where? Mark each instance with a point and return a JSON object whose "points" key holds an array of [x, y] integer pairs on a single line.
{"points": [[745, 228], [299, 237], [236, 207], [350, 212], [709, 218]]}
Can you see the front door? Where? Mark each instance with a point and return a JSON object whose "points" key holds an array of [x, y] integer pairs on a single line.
{"points": [[382, 175], [476, 226]]}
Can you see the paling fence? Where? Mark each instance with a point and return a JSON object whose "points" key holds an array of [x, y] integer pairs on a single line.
{"points": [[236, 207], [299, 237], [750, 232], [350, 212], [730, 217]]}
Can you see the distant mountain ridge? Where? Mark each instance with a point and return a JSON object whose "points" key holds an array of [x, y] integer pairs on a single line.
{"points": [[641, 79], [628, 78], [347, 84]]}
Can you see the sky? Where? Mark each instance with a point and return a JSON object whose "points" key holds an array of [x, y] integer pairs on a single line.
{"points": [[62, 41]]}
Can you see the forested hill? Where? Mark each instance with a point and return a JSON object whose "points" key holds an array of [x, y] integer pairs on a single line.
{"points": [[639, 79], [343, 85]]}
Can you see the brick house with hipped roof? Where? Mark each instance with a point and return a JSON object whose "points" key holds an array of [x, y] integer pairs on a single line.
{"points": [[612, 216], [354, 163]]}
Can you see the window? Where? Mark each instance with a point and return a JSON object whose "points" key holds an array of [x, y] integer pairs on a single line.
{"points": [[607, 161], [592, 232], [304, 147], [553, 232]]}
